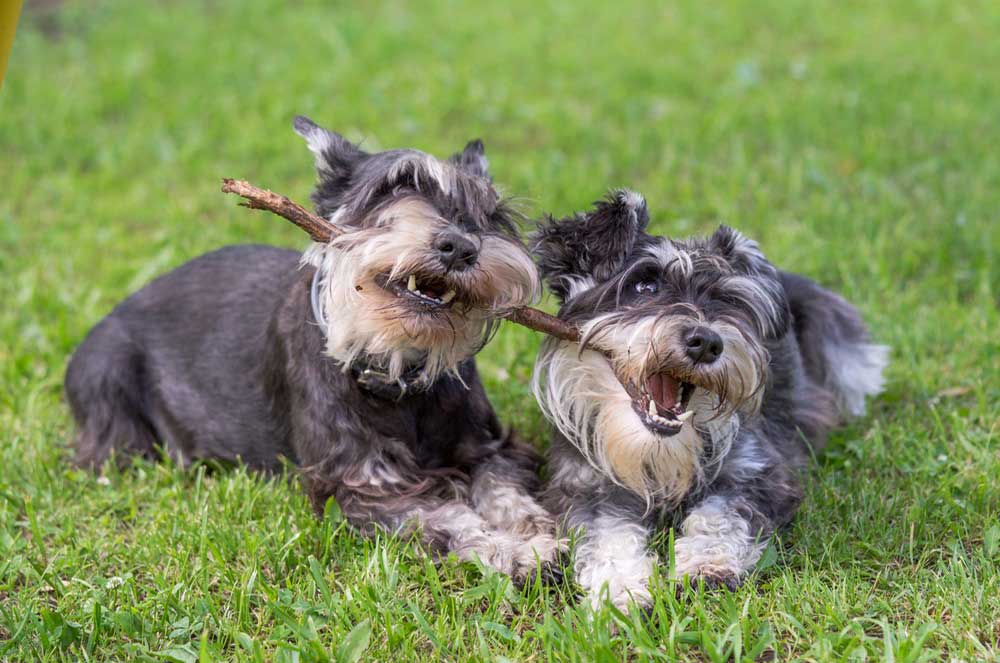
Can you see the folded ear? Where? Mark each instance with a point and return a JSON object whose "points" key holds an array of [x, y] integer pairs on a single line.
{"points": [[577, 252], [335, 155], [472, 159], [740, 251]]}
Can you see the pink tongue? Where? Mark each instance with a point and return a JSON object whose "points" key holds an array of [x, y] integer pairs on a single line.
{"points": [[663, 389]]}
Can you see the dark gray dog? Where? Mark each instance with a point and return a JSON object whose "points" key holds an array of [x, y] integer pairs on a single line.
{"points": [[355, 364], [723, 372]]}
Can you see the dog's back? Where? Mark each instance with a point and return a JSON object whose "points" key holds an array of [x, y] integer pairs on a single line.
{"points": [[837, 352], [160, 361]]}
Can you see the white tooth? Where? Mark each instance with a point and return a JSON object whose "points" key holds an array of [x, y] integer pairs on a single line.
{"points": [[448, 296], [684, 416], [412, 284], [652, 407]]}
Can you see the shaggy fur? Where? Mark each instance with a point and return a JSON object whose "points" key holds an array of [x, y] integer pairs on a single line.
{"points": [[708, 377], [355, 362]]}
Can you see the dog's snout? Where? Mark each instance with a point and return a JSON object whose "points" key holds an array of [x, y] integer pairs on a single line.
{"points": [[703, 346], [456, 251]]}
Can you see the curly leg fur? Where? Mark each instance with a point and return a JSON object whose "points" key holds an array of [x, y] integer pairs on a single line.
{"points": [[611, 561], [717, 543], [501, 492]]}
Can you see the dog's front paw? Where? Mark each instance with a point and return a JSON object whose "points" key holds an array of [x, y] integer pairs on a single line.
{"points": [[713, 561], [514, 556], [620, 582], [513, 511], [535, 523], [541, 553], [497, 552], [621, 597], [711, 580], [547, 573]]}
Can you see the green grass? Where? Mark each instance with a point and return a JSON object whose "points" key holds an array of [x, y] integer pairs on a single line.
{"points": [[856, 141]]}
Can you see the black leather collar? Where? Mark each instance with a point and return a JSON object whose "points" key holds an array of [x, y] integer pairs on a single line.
{"points": [[377, 382], [370, 376]]}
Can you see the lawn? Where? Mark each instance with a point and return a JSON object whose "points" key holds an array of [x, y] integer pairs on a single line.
{"points": [[856, 141]]}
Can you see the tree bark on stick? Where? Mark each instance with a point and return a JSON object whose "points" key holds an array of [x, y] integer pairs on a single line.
{"points": [[321, 230]]}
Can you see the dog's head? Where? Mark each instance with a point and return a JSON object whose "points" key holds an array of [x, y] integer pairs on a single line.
{"points": [[683, 326], [431, 261]]}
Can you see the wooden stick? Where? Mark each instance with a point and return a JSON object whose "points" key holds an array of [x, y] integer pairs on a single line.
{"points": [[321, 230], [541, 321]]}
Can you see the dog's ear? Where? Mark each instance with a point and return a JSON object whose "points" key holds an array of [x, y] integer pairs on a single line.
{"points": [[756, 281], [740, 251], [577, 252], [335, 155], [472, 159]]}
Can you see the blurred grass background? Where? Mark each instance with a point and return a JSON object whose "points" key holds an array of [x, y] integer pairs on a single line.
{"points": [[856, 141]]}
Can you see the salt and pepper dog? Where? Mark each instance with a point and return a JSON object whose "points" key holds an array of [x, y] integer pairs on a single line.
{"points": [[354, 361], [707, 377], [704, 378]]}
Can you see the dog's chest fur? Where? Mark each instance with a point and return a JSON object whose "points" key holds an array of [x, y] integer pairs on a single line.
{"points": [[442, 425]]}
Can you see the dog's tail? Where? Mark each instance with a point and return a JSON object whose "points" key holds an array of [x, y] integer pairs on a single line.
{"points": [[836, 348]]}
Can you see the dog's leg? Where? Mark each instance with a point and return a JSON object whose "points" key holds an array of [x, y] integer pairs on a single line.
{"points": [[612, 560], [723, 536], [501, 492], [457, 528], [385, 489], [720, 541], [378, 481], [445, 525]]}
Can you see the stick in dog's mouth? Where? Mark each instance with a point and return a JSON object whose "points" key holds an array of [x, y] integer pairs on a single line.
{"points": [[322, 230]]}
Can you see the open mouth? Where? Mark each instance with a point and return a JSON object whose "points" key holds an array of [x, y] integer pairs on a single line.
{"points": [[661, 403], [429, 292]]}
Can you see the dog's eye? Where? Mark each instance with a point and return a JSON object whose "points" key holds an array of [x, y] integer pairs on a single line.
{"points": [[647, 287]]}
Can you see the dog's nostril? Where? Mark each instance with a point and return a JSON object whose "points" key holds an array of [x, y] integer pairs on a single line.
{"points": [[456, 251], [703, 345]]}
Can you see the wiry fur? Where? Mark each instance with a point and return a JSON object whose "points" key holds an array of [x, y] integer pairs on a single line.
{"points": [[397, 245], [397, 202], [224, 358], [731, 470], [581, 395]]}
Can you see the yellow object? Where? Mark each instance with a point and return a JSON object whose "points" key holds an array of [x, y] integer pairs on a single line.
{"points": [[10, 10]]}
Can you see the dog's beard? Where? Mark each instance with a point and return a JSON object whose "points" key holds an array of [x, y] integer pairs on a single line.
{"points": [[585, 396], [386, 296]]}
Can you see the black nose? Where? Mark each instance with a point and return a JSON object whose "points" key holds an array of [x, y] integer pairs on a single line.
{"points": [[702, 345], [456, 251]]}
